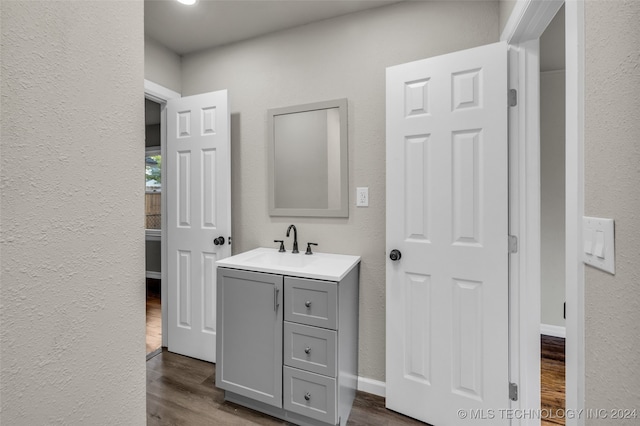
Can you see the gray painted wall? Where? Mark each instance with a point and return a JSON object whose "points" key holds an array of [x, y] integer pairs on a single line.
{"points": [[72, 287], [506, 7], [552, 176], [161, 65], [153, 256], [612, 174], [552, 199], [552, 49], [342, 57], [152, 135]]}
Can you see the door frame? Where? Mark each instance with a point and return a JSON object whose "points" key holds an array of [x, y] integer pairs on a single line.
{"points": [[526, 23], [160, 94]]}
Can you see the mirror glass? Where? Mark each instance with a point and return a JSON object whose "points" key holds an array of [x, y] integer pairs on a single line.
{"points": [[308, 165]]}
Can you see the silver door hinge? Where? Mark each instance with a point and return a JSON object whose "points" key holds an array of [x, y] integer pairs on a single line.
{"points": [[513, 391], [513, 244], [513, 97]]}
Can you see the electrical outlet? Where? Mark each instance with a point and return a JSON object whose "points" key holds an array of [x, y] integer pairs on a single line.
{"points": [[362, 197]]}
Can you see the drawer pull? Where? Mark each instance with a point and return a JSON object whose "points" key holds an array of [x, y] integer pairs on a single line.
{"points": [[307, 396], [307, 350], [276, 303], [307, 303]]}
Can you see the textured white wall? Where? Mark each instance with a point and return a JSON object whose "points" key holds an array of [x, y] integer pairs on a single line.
{"points": [[72, 286], [161, 65], [552, 199], [612, 174], [342, 57]]}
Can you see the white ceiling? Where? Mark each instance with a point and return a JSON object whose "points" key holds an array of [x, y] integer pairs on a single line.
{"points": [[211, 23]]}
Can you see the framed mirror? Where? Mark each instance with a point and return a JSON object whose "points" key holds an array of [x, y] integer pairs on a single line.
{"points": [[308, 164]]}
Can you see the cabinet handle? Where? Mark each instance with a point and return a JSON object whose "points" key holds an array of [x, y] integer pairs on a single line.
{"points": [[307, 303], [276, 291], [307, 350], [307, 396]]}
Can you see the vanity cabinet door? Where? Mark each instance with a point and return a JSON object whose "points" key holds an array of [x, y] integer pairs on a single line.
{"points": [[249, 339]]}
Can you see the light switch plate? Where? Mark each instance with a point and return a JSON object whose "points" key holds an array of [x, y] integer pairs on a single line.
{"points": [[599, 243]]}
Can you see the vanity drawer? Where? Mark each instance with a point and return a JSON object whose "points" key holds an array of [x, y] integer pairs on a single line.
{"points": [[310, 348], [311, 302], [310, 394]]}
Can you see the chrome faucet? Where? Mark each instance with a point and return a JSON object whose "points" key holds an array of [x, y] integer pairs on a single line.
{"points": [[295, 238]]}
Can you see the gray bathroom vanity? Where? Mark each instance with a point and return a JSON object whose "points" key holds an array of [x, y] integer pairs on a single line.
{"points": [[287, 334]]}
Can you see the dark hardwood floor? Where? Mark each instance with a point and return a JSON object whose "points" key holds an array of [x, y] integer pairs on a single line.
{"points": [[154, 316], [181, 390], [552, 384]]}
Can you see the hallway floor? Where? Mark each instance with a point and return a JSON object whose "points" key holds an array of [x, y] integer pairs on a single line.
{"points": [[552, 380], [154, 316]]}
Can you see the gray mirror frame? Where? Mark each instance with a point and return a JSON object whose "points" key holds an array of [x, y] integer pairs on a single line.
{"points": [[343, 210]]}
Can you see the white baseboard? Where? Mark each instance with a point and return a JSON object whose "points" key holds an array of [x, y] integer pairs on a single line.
{"points": [[154, 274], [375, 387], [553, 330]]}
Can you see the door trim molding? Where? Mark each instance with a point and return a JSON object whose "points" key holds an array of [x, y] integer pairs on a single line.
{"points": [[157, 93], [575, 343], [524, 222], [528, 20], [161, 95]]}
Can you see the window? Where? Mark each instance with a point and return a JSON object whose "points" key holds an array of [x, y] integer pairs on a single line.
{"points": [[153, 193]]}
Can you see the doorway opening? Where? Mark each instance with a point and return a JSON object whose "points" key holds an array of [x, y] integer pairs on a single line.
{"points": [[153, 227], [552, 220]]}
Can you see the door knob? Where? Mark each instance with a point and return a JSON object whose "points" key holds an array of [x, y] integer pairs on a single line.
{"points": [[395, 255], [218, 241]]}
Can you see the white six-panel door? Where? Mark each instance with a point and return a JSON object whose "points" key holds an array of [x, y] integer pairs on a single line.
{"points": [[447, 213], [198, 211]]}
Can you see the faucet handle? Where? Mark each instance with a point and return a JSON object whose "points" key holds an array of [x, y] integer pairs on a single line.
{"points": [[282, 250], [309, 247]]}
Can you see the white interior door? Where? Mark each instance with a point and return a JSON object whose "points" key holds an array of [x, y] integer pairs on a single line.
{"points": [[198, 212], [447, 213]]}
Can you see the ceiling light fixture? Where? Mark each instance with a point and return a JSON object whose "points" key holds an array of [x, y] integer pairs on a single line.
{"points": [[188, 2]]}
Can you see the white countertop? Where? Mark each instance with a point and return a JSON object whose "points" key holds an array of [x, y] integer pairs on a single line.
{"points": [[321, 266]]}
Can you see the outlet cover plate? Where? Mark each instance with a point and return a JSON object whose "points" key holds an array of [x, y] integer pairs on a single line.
{"points": [[362, 197]]}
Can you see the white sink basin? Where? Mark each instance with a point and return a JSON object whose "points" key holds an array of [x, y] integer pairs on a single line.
{"points": [[323, 266], [288, 260]]}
